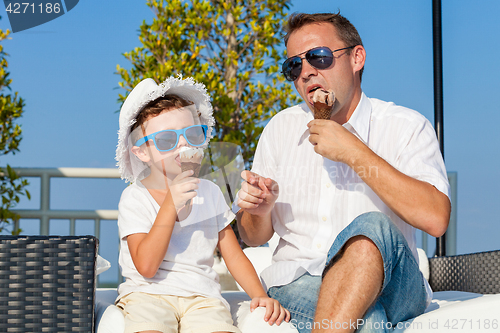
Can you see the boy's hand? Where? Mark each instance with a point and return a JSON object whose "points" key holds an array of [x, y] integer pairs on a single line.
{"points": [[183, 188], [258, 194], [275, 312]]}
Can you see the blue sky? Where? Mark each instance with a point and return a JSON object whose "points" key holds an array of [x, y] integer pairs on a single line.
{"points": [[65, 70]]}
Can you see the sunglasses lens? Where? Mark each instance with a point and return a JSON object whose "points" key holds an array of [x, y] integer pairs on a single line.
{"points": [[320, 58], [166, 140], [291, 68], [196, 135]]}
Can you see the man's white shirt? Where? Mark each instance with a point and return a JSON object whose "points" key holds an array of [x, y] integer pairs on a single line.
{"points": [[319, 197]]}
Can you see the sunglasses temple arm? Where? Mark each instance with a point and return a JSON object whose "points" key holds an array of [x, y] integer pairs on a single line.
{"points": [[141, 141]]}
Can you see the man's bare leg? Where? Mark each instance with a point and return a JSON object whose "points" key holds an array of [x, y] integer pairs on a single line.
{"points": [[350, 287]]}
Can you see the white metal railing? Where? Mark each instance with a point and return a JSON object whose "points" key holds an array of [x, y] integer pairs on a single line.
{"points": [[45, 214]]}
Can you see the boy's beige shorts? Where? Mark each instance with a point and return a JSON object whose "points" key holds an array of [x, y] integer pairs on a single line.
{"points": [[172, 314]]}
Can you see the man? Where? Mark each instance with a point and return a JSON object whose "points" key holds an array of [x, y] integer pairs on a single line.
{"points": [[345, 195]]}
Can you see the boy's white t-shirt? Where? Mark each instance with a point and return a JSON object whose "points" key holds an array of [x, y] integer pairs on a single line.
{"points": [[186, 269]]}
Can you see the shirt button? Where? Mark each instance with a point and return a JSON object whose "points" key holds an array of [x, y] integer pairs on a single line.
{"points": [[324, 218], [328, 185], [318, 246]]}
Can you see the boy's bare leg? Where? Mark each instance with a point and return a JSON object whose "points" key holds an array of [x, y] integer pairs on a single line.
{"points": [[351, 286]]}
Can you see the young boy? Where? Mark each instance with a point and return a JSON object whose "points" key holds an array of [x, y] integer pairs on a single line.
{"points": [[170, 222]]}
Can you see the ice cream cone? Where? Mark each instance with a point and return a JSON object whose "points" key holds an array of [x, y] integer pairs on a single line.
{"points": [[323, 101], [185, 166], [191, 159]]}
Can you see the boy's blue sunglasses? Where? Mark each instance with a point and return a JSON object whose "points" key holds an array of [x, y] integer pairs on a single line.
{"points": [[166, 140]]}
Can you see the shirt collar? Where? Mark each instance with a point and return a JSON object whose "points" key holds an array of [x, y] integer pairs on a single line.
{"points": [[359, 123], [360, 120]]}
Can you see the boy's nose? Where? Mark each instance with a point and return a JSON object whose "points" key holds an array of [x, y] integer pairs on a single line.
{"points": [[182, 141]]}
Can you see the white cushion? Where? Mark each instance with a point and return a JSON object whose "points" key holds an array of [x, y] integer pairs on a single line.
{"points": [[253, 322], [111, 321], [423, 263], [455, 311], [109, 318], [452, 311], [449, 311], [260, 257], [102, 265]]}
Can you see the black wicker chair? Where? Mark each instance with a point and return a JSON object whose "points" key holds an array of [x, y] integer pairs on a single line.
{"points": [[47, 283], [475, 272]]}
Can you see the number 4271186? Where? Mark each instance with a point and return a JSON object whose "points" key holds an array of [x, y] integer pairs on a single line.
{"points": [[26, 8]]}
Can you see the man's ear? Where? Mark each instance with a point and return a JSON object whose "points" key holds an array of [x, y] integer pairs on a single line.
{"points": [[141, 154], [358, 58]]}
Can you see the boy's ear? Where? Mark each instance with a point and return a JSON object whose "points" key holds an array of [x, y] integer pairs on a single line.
{"points": [[141, 154]]}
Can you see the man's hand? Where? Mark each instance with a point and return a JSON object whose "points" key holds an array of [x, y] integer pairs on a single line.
{"points": [[258, 194], [334, 142]]}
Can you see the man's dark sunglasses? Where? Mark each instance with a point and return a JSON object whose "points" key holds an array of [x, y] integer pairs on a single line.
{"points": [[319, 58]]}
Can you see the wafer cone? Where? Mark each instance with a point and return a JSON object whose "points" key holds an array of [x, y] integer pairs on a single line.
{"points": [[185, 166], [323, 101], [191, 159]]}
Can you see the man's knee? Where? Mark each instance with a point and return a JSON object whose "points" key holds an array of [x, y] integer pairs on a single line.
{"points": [[358, 251], [374, 223], [380, 229], [361, 248], [369, 236]]}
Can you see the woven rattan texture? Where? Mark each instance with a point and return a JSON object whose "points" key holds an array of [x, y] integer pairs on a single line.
{"points": [[47, 283], [476, 272]]}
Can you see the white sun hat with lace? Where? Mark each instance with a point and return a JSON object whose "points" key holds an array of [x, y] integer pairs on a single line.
{"points": [[130, 166]]}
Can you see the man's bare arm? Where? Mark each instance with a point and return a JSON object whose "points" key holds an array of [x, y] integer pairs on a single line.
{"points": [[416, 202], [254, 230]]}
